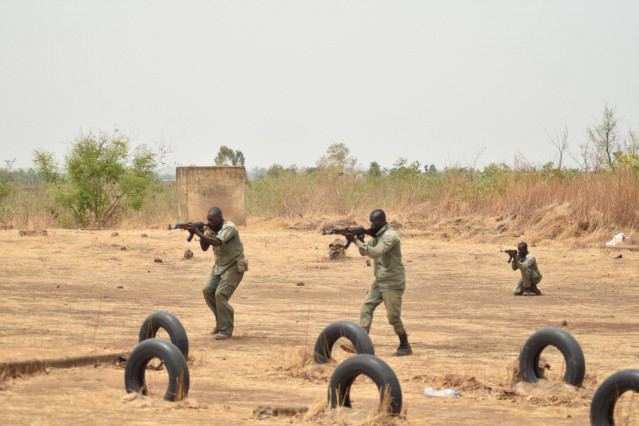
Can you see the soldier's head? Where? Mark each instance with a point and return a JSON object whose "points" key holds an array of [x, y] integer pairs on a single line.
{"points": [[378, 219], [522, 248], [214, 218]]}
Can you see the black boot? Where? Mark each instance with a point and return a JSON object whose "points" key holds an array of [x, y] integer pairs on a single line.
{"points": [[404, 347]]}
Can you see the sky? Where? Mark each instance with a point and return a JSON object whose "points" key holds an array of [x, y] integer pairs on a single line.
{"points": [[456, 82]]}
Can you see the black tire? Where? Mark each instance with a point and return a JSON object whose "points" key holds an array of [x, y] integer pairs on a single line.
{"points": [[173, 326], [353, 332], [384, 377], [603, 402], [562, 340], [174, 361]]}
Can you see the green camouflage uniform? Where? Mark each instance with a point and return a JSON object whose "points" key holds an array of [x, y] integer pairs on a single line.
{"points": [[530, 275], [224, 277], [390, 278]]}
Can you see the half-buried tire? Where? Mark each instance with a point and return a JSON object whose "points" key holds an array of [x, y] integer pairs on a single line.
{"points": [[348, 329], [174, 361], [173, 326], [567, 345], [603, 402], [390, 392]]}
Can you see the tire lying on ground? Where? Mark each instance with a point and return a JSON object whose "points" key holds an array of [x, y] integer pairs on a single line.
{"points": [[603, 402], [562, 340], [173, 326], [348, 329], [384, 377], [174, 361]]}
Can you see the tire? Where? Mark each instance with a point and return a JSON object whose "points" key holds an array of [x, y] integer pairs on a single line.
{"points": [[174, 361], [353, 332], [384, 377], [173, 326], [604, 400], [562, 340]]}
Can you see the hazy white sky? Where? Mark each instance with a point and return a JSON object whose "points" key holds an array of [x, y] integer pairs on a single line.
{"points": [[433, 81]]}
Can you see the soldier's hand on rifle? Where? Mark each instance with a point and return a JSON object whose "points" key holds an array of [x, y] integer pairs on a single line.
{"points": [[350, 237], [190, 228]]}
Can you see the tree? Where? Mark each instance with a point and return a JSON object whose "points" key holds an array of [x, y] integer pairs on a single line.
{"points": [[374, 170], [401, 168], [560, 142], [337, 157], [275, 170], [604, 137], [6, 187], [101, 178], [227, 157]]}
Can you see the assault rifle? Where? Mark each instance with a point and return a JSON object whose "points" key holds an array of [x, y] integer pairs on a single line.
{"points": [[359, 231], [199, 225], [511, 254]]}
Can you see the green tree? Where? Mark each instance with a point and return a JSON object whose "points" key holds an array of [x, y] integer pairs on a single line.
{"points": [[337, 157], [275, 170], [401, 168], [6, 187], [227, 157], [374, 170], [101, 178]]}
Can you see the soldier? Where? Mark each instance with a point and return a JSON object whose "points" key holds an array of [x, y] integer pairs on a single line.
{"points": [[230, 265], [526, 262], [390, 277]]}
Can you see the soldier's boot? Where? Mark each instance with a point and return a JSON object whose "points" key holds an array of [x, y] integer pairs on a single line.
{"points": [[535, 290], [526, 292], [404, 347], [349, 347], [216, 330]]}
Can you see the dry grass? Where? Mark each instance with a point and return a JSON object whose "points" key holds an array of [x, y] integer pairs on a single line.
{"points": [[546, 206], [76, 292]]}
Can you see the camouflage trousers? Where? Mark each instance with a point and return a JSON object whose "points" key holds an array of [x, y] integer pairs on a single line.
{"points": [[392, 299], [529, 279], [217, 292]]}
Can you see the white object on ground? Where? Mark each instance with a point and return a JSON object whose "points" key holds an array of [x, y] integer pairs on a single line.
{"points": [[616, 240], [446, 393]]}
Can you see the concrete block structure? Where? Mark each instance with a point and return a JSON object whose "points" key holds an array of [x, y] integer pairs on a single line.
{"points": [[200, 188]]}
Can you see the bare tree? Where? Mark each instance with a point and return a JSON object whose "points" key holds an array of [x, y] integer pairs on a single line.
{"points": [[584, 157], [560, 142], [521, 163], [473, 163], [605, 139]]}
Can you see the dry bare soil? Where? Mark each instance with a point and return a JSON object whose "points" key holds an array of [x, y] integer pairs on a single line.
{"points": [[79, 292]]}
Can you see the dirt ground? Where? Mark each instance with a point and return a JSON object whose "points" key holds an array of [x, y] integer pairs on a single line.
{"points": [[80, 292]]}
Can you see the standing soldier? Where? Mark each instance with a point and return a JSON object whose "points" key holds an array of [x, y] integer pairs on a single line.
{"points": [[230, 265], [390, 277], [526, 262]]}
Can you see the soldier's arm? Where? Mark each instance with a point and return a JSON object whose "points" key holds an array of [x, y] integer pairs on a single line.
{"points": [[530, 260], [385, 243], [226, 234], [207, 240]]}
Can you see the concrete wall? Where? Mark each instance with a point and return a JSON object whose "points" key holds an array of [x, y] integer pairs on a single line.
{"points": [[200, 188]]}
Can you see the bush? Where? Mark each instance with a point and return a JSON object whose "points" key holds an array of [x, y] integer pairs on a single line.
{"points": [[101, 179]]}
